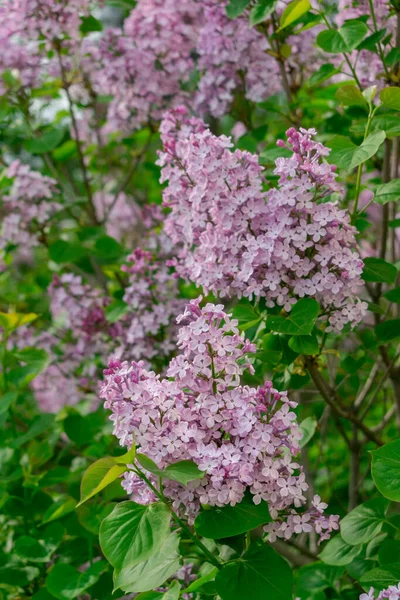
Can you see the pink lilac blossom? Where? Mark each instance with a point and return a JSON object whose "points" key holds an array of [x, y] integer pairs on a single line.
{"points": [[120, 213], [152, 296], [27, 207], [145, 65], [242, 438], [391, 593], [238, 240], [367, 64]]}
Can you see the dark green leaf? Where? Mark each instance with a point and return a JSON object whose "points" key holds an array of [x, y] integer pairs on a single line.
{"points": [[300, 320], [183, 471], [235, 7], [227, 521], [259, 574], [89, 24], [377, 269], [307, 428], [46, 142], [304, 344], [350, 95], [386, 469], [261, 11], [388, 330], [382, 577], [116, 310], [66, 583]]}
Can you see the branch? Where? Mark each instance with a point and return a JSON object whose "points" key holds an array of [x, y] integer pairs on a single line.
{"points": [[335, 402]]}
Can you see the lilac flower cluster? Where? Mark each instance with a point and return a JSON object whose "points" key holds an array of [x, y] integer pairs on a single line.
{"points": [[368, 65], [238, 240], [27, 207], [242, 438], [144, 65], [152, 297], [391, 593]]}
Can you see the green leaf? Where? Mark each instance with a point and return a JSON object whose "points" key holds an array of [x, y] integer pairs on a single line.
{"points": [[388, 330], [350, 95], [98, 476], [307, 428], [65, 151], [36, 358], [89, 24], [342, 150], [133, 532], [293, 11], [364, 522], [324, 72], [107, 247], [259, 574], [7, 400], [198, 583], [235, 7], [227, 521], [368, 148], [65, 582], [390, 97], [10, 321], [338, 553], [153, 572], [183, 471], [149, 464], [344, 39], [59, 509], [393, 295], [17, 576], [388, 192], [304, 344], [377, 269], [300, 320], [385, 469], [116, 310], [261, 11], [382, 577], [389, 549], [30, 549], [315, 578], [64, 252], [47, 142], [393, 57]]}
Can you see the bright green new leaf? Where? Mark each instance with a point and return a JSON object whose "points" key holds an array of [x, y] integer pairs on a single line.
{"points": [[98, 476], [294, 11], [10, 321]]}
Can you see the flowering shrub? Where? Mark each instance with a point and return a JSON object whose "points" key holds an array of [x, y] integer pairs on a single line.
{"points": [[199, 292]]}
